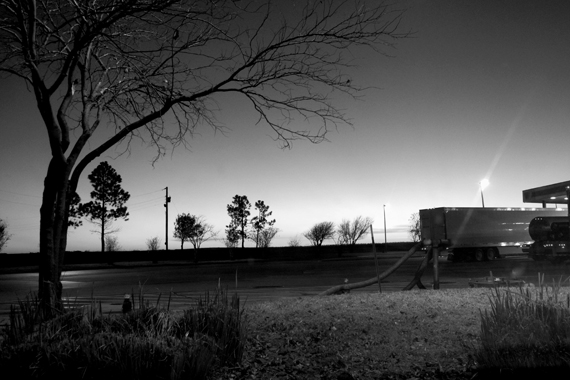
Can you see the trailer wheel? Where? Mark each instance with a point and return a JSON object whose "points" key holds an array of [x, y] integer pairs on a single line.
{"points": [[479, 255], [490, 254]]}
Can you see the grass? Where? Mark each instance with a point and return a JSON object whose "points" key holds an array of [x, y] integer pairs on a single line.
{"points": [[418, 334], [150, 342], [526, 329], [397, 335]]}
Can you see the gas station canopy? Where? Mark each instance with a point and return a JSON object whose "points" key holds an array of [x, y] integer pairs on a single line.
{"points": [[554, 194]]}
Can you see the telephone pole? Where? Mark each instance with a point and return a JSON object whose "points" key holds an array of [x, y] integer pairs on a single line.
{"points": [[167, 201]]}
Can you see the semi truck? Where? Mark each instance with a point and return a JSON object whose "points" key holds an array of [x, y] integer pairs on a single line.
{"points": [[478, 233]]}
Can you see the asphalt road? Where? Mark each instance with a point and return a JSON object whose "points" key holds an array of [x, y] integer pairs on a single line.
{"points": [[258, 281]]}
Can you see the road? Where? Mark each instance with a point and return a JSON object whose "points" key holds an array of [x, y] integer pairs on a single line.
{"points": [[258, 281]]}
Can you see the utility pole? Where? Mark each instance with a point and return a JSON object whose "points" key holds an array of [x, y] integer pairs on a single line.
{"points": [[167, 201]]}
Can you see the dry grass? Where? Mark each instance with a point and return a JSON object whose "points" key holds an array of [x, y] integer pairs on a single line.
{"points": [[421, 334]]}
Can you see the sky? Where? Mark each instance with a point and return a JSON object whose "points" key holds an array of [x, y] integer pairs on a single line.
{"points": [[480, 90]]}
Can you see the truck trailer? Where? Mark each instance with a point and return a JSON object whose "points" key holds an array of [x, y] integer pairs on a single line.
{"points": [[551, 239], [477, 233]]}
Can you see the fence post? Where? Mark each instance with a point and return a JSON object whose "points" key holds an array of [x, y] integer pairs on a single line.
{"points": [[375, 259], [436, 267]]}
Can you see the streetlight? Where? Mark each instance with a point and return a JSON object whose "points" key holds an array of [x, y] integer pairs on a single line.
{"points": [[385, 238], [483, 184]]}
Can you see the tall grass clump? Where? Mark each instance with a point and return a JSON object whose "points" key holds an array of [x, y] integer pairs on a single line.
{"points": [[526, 329], [150, 342]]}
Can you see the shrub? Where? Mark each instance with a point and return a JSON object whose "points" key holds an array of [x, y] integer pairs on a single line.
{"points": [[526, 329], [150, 342]]}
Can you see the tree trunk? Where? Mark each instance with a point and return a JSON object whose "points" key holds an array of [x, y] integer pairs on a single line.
{"points": [[53, 238], [103, 212]]}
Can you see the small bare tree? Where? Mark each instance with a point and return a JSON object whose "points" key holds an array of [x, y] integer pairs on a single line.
{"points": [[4, 235], [320, 232], [266, 236], [201, 233], [153, 244], [112, 243], [415, 227], [294, 241], [350, 232]]}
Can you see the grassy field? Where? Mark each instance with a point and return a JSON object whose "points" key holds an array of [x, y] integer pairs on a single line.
{"points": [[415, 334], [419, 334]]}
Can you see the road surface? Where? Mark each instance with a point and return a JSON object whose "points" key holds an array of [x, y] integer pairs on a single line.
{"points": [[258, 281]]}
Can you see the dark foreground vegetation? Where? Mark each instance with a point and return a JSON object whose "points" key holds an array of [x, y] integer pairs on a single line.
{"points": [[149, 342], [449, 334]]}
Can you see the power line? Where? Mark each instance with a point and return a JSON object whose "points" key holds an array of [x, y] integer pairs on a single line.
{"points": [[23, 195], [152, 192], [150, 200], [19, 203]]}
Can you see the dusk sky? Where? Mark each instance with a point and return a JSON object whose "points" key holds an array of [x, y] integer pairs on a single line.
{"points": [[481, 90]]}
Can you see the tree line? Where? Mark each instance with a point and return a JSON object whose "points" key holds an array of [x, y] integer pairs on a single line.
{"points": [[109, 204]]}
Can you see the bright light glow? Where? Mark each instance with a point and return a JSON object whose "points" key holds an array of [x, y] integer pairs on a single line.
{"points": [[484, 183]]}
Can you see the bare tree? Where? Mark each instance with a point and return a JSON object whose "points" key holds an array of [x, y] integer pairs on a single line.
{"points": [[129, 65], [294, 242], [415, 227], [320, 232], [202, 232], [153, 244], [4, 235], [112, 243], [350, 232], [266, 236]]}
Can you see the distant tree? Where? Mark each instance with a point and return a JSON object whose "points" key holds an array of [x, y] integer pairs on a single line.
{"points": [[294, 241], [184, 226], [238, 211], [202, 233], [266, 236], [193, 229], [415, 227], [4, 235], [153, 244], [109, 200], [112, 243], [260, 222], [350, 232], [320, 232], [232, 238]]}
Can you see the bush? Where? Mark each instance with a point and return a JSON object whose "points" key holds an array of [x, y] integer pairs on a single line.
{"points": [[526, 329], [150, 342]]}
